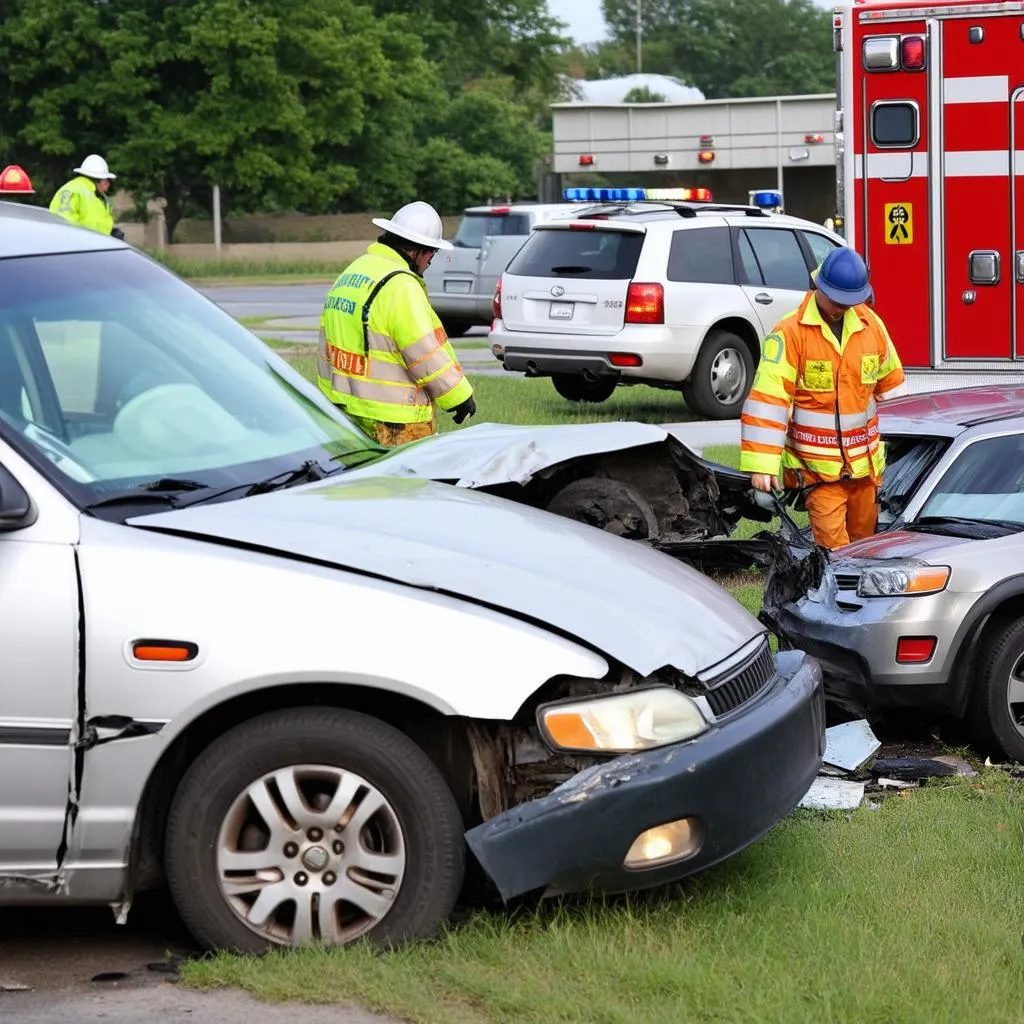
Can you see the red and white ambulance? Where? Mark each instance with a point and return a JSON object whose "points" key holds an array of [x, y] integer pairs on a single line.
{"points": [[930, 155]]}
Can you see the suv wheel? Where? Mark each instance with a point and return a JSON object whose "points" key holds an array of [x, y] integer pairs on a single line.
{"points": [[721, 377], [313, 824], [579, 389], [996, 711]]}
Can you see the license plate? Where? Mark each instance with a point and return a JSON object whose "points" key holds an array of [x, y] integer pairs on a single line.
{"points": [[462, 287], [561, 310]]}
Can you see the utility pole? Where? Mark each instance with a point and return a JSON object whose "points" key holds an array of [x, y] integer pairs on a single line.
{"points": [[639, 36]]}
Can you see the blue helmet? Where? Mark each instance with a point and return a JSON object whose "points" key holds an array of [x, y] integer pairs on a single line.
{"points": [[843, 277]]}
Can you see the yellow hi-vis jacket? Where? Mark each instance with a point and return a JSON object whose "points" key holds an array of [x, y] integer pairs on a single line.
{"points": [[812, 405], [383, 354], [79, 203]]}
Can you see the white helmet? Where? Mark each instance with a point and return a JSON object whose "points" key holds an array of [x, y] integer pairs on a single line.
{"points": [[416, 222], [94, 166]]}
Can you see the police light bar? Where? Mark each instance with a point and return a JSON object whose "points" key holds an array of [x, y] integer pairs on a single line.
{"points": [[767, 198], [635, 195]]}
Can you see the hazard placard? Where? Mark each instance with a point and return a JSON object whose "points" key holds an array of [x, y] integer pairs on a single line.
{"points": [[899, 223]]}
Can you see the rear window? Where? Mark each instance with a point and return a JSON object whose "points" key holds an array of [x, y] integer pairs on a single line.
{"points": [[597, 255], [894, 124], [475, 227], [701, 256]]}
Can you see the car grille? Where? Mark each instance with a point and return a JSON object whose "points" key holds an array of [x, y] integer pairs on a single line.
{"points": [[847, 580], [728, 694]]}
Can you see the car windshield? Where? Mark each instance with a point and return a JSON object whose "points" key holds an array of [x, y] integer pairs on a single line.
{"points": [[908, 459], [475, 227], [985, 484], [116, 375]]}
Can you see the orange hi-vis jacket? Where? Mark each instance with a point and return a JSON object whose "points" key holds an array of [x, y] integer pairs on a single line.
{"points": [[812, 405]]}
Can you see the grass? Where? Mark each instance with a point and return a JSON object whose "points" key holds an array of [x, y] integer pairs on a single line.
{"points": [[230, 271], [909, 912]]}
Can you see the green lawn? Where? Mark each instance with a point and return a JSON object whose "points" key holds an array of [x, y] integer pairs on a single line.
{"points": [[908, 913], [250, 271]]}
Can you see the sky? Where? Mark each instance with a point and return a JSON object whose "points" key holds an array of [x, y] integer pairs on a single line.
{"points": [[586, 23]]}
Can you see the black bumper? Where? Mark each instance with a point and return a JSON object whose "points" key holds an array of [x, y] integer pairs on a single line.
{"points": [[739, 779], [539, 362]]}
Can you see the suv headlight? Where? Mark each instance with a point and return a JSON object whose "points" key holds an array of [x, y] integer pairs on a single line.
{"points": [[622, 723], [903, 580]]}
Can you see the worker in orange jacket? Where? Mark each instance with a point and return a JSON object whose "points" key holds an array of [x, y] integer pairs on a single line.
{"points": [[811, 414]]}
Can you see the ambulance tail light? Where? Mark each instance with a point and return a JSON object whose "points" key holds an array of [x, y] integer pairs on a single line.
{"points": [[645, 304], [912, 53]]}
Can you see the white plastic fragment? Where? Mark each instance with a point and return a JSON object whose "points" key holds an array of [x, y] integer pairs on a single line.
{"points": [[833, 795], [896, 784], [850, 745]]}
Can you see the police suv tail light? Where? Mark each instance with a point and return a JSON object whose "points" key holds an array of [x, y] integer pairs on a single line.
{"points": [[912, 53], [645, 304], [496, 302]]}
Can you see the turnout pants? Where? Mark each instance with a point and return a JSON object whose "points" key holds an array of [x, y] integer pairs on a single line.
{"points": [[843, 511], [392, 434]]}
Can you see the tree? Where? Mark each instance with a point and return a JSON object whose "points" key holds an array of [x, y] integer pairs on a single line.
{"points": [[641, 94], [736, 47]]}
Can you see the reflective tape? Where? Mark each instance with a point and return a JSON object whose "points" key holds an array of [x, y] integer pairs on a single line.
{"points": [[766, 411]]}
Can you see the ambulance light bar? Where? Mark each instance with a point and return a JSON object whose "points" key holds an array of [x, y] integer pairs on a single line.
{"points": [[636, 195]]}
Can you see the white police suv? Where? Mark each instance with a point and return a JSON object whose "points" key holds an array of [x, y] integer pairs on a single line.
{"points": [[654, 286]]}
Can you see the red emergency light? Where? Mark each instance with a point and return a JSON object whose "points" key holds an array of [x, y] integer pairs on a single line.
{"points": [[912, 53], [813, 140], [706, 156], [586, 160], [14, 181]]}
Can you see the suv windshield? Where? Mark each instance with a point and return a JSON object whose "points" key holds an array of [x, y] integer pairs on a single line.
{"points": [[475, 227], [589, 253], [986, 483], [115, 374]]}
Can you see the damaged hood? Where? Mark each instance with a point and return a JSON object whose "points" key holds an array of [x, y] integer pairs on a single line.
{"points": [[494, 453], [899, 544], [638, 606]]}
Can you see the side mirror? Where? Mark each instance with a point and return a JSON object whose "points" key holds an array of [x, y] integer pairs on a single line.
{"points": [[16, 508]]}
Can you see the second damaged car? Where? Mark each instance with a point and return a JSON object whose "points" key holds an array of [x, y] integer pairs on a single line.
{"points": [[301, 694]]}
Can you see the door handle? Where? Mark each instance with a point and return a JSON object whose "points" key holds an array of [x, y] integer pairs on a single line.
{"points": [[1018, 261], [763, 298]]}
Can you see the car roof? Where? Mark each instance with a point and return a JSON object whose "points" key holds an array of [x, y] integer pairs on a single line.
{"points": [[695, 214], [955, 410], [519, 207], [32, 231]]}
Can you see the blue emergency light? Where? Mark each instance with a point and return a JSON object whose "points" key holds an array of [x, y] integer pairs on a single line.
{"points": [[634, 195], [767, 198]]}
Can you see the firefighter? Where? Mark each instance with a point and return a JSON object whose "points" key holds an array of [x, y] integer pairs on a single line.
{"points": [[15, 182], [83, 200], [811, 413], [384, 356]]}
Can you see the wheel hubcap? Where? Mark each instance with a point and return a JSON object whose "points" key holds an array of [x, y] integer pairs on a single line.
{"points": [[310, 853], [728, 375], [1015, 695]]}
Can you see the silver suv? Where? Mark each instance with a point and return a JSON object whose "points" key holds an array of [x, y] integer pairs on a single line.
{"points": [[461, 282], [675, 294]]}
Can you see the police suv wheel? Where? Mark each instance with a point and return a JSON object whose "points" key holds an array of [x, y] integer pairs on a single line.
{"points": [[576, 388], [721, 377], [313, 825]]}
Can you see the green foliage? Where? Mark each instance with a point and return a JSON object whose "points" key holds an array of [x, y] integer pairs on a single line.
{"points": [[641, 94], [731, 47]]}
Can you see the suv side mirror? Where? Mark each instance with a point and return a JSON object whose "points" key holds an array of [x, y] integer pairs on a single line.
{"points": [[16, 508]]}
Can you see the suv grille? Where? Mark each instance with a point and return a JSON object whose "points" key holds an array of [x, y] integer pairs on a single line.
{"points": [[733, 692]]}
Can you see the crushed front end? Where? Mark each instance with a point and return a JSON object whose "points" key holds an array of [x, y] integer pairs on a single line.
{"points": [[561, 821]]}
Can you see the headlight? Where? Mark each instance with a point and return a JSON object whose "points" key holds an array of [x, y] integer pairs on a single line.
{"points": [[622, 722], [906, 580]]}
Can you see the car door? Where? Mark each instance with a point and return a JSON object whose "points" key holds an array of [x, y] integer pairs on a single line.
{"points": [[39, 633], [774, 270]]}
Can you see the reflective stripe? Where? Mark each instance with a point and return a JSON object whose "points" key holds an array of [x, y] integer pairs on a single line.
{"points": [[444, 383], [766, 411], [824, 420], [762, 435]]}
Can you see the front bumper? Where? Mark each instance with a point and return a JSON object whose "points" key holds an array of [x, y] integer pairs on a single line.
{"points": [[739, 779], [854, 639]]}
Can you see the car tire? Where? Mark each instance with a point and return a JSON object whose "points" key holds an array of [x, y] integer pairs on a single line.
{"points": [[989, 716], [721, 377], [575, 388], [250, 830], [609, 505], [456, 328]]}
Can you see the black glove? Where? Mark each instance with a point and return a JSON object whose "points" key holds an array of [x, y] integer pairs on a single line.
{"points": [[117, 233], [461, 412]]}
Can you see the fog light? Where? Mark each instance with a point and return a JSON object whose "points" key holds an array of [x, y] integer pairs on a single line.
{"points": [[914, 650], [665, 844]]}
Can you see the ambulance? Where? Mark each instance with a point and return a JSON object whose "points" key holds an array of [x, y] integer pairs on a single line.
{"points": [[930, 157]]}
